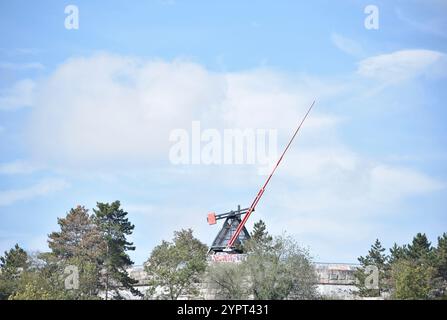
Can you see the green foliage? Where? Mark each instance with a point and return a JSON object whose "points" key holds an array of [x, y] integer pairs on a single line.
{"points": [[229, 280], [377, 258], [275, 268], [79, 243], [14, 260], [12, 265], [260, 234], [441, 256], [280, 269], [440, 262], [95, 246], [114, 227], [413, 271], [420, 250], [412, 281], [78, 238], [397, 253], [42, 281], [176, 268], [35, 286]]}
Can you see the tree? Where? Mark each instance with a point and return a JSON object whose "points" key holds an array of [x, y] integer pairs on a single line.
{"points": [[229, 281], [260, 234], [397, 253], [176, 268], [420, 250], [441, 256], [441, 265], [114, 226], [14, 261], [79, 243], [259, 239], [12, 265], [411, 271], [378, 259], [35, 287], [43, 280], [280, 270], [79, 236], [275, 268], [412, 281]]}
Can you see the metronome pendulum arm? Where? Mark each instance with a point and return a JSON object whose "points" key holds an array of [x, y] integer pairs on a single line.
{"points": [[261, 191]]}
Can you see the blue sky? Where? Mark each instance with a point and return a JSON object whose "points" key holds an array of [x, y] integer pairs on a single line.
{"points": [[85, 116]]}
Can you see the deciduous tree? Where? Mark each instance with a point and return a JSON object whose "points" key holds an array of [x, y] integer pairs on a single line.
{"points": [[176, 268]]}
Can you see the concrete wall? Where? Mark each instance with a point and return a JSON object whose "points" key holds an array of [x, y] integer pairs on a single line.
{"points": [[335, 281]]}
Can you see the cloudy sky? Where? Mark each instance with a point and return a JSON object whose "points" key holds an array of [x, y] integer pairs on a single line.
{"points": [[86, 114]]}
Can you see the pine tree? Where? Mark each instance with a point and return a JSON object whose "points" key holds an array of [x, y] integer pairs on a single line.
{"points": [[79, 243], [79, 237], [14, 261], [260, 234], [397, 253], [441, 256], [259, 238], [114, 226], [12, 265], [441, 266], [413, 270], [375, 257], [420, 250]]}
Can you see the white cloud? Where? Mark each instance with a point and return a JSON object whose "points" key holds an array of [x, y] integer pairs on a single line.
{"points": [[109, 107], [346, 45], [331, 183], [403, 65], [17, 167], [18, 96], [389, 182], [42, 188], [264, 98], [354, 179], [112, 110], [106, 108], [338, 201]]}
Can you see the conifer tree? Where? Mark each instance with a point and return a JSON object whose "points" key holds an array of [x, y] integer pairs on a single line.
{"points": [[12, 265], [260, 233], [376, 258], [420, 250], [259, 238], [79, 243], [441, 256], [397, 253], [114, 226]]}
